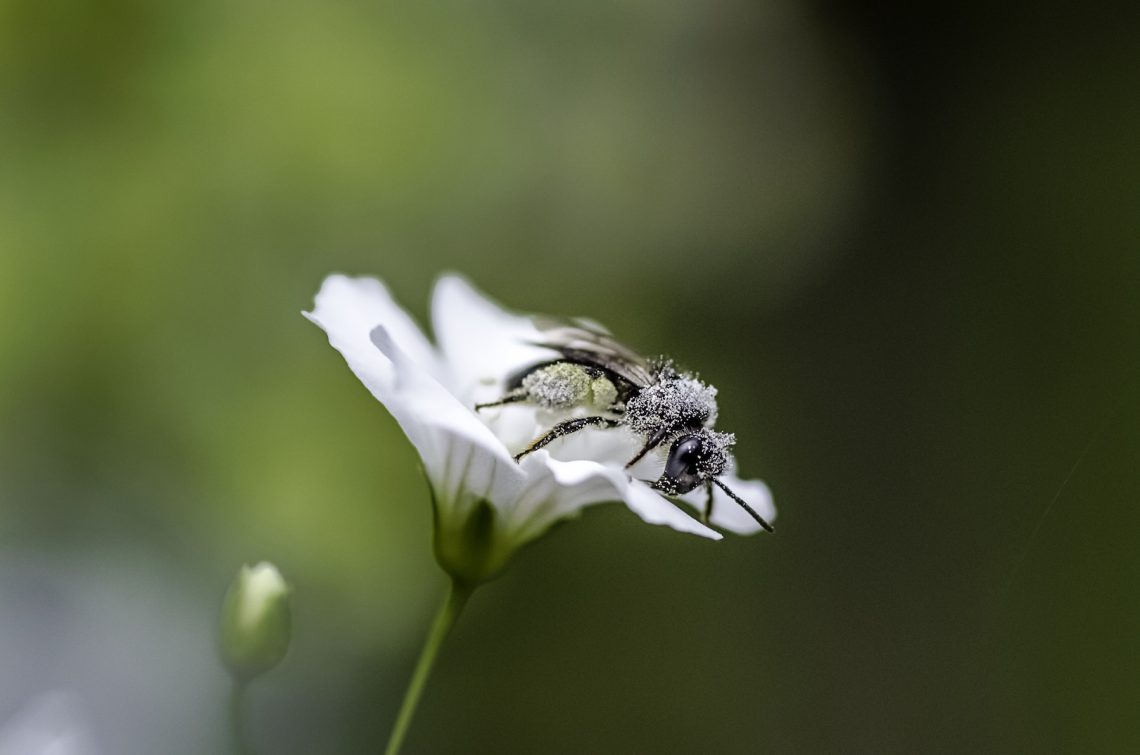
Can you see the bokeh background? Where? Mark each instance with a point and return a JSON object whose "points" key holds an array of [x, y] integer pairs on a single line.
{"points": [[902, 241]]}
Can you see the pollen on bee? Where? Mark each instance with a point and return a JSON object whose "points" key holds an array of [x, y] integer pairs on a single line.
{"points": [[558, 386], [605, 393], [677, 402]]}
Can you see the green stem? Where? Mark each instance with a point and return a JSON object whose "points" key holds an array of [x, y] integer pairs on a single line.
{"points": [[237, 718], [457, 596]]}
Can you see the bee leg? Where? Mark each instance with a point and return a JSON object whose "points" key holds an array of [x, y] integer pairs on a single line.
{"points": [[653, 442], [566, 428], [707, 515], [511, 398]]}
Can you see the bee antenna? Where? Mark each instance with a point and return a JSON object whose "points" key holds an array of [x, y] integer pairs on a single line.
{"points": [[767, 527]]}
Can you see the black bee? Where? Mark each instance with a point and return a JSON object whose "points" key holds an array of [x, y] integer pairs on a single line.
{"points": [[650, 397]]}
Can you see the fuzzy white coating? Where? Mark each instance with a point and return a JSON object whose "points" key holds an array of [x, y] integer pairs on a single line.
{"points": [[558, 386], [672, 403], [715, 458]]}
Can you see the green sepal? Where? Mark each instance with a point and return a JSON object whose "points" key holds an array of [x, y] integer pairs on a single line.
{"points": [[470, 549]]}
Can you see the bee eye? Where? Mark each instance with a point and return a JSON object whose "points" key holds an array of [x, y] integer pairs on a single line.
{"points": [[680, 472], [688, 451]]}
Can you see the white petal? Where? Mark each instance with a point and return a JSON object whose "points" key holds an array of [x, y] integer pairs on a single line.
{"points": [[382, 345], [727, 513], [462, 457], [560, 489], [347, 309], [654, 509], [481, 342]]}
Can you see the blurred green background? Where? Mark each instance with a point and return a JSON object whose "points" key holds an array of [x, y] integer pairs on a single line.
{"points": [[901, 241]]}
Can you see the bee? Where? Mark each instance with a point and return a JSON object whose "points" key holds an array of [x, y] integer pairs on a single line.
{"points": [[620, 389]]}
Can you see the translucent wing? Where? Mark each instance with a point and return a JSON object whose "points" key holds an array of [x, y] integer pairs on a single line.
{"points": [[588, 342]]}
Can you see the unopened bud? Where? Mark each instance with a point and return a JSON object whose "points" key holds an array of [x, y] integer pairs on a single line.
{"points": [[256, 621]]}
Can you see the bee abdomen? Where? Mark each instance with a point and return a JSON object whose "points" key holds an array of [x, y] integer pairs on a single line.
{"points": [[565, 385]]}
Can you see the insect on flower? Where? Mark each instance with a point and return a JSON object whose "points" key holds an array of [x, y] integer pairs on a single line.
{"points": [[497, 480], [620, 389]]}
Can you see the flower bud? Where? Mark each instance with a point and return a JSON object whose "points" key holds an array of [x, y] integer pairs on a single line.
{"points": [[256, 621]]}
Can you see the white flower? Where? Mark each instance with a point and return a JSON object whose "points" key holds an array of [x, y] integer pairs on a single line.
{"points": [[486, 504]]}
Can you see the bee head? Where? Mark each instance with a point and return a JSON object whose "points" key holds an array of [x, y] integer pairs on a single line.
{"points": [[694, 458]]}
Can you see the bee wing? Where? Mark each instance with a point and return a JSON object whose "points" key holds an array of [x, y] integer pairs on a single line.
{"points": [[588, 342]]}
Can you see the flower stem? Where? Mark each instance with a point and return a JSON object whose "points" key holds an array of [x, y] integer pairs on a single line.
{"points": [[457, 596], [237, 718]]}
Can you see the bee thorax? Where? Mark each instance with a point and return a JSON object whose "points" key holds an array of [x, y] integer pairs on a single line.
{"points": [[672, 404]]}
